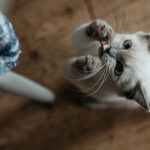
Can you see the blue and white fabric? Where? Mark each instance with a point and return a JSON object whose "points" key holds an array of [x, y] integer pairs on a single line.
{"points": [[9, 46]]}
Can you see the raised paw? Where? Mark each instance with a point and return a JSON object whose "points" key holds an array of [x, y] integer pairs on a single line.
{"points": [[87, 64], [105, 30]]}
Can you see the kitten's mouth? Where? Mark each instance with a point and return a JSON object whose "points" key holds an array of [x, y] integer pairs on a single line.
{"points": [[113, 52], [106, 50]]}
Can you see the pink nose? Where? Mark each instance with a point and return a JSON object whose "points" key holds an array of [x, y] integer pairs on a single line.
{"points": [[107, 46]]}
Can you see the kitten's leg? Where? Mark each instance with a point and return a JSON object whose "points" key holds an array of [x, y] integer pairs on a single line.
{"points": [[117, 103], [85, 38], [81, 68], [105, 30]]}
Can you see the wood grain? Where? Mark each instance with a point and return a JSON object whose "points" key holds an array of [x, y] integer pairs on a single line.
{"points": [[44, 28]]}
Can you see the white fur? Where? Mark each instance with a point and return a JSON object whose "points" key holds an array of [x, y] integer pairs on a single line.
{"points": [[138, 67]]}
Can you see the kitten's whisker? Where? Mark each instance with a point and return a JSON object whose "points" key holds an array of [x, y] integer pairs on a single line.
{"points": [[88, 76], [104, 79], [106, 76], [98, 86], [121, 12], [94, 84], [85, 90], [109, 14], [105, 13], [120, 29], [118, 22], [126, 14], [112, 17], [96, 70], [127, 17], [114, 22]]}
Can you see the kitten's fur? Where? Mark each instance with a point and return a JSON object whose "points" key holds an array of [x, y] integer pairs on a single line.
{"points": [[131, 89]]}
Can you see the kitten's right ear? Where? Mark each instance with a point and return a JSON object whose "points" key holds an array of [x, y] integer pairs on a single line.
{"points": [[139, 95], [141, 98]]}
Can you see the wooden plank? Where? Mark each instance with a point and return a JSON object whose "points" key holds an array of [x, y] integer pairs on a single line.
{"points": [[45, 28]]}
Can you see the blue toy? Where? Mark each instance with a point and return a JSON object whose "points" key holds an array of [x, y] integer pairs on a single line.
{"points": [[9, 46], [9, 54]]}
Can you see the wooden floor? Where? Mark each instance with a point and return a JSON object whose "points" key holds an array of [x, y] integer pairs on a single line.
{"points": [[44, 28]]}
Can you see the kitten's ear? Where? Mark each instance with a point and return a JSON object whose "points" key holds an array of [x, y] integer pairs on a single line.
{"points": [[139, 95], [141, 98], [144, 35]]}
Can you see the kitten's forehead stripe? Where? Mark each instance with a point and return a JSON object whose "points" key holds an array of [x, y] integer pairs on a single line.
{"points": [[147, 37]]}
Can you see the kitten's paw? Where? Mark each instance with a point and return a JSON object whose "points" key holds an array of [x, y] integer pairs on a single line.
{"points": [[105, 30], [87, 64]]}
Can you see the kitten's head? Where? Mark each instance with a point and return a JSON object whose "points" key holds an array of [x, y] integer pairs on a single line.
{"points": [[129, 58]]}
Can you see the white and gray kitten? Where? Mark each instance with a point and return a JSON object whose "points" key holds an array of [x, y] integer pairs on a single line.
{"points": [[118, 77]]}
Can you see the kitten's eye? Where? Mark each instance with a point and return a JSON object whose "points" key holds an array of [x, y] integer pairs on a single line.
{"points": [[118, 69], [127, 44]]}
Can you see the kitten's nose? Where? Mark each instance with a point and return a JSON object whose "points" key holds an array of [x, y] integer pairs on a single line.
{"points": [[108, 50], [113, 52]]}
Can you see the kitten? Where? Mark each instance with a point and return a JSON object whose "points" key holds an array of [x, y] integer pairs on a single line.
{"points": [[118, 77]]}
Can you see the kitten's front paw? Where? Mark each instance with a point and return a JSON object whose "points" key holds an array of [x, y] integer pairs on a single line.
{"points": [[105, 30], [86, 64]]}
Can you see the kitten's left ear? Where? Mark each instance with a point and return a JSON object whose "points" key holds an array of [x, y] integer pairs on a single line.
{"points": [[141, 98], [139, 95], [144, 35]]}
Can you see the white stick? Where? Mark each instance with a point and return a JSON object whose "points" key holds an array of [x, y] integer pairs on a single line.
{"points": [[19, 85]]}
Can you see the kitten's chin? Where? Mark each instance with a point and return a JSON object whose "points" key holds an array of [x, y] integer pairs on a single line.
{"points": [[107, 59], [104, 57]]}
